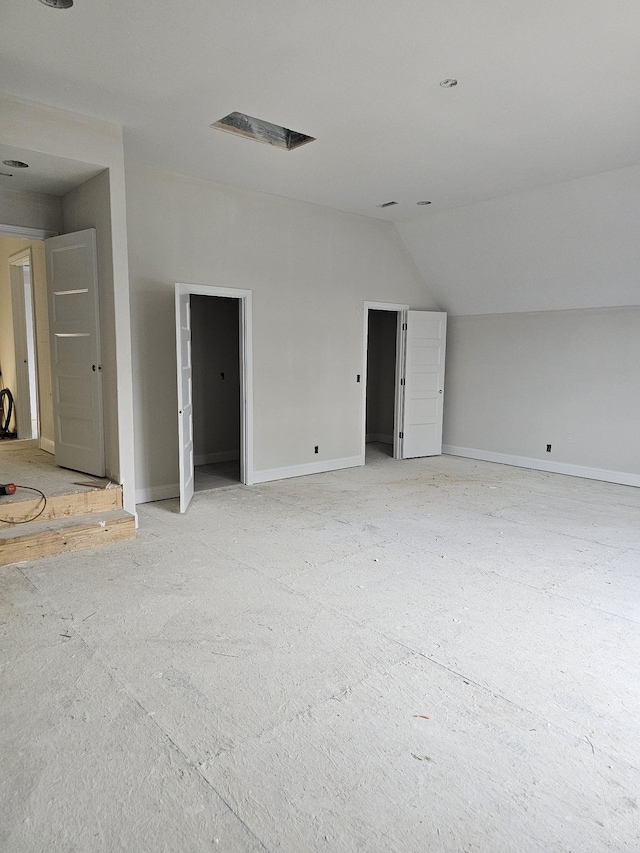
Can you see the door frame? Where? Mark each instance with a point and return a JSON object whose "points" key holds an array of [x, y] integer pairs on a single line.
{"points": [[400, 352], [246, 366], [25, 338], [26, 233]]}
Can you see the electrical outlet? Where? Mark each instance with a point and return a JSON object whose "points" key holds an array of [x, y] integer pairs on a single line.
{"points": [[316, 449], [548, 448]]}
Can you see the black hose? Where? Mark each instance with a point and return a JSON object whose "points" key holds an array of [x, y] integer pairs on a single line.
{"points": [[5, 421], [33, 517]]}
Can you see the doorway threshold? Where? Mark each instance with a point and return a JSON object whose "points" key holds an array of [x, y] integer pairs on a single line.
{"points": [[217, 475]]}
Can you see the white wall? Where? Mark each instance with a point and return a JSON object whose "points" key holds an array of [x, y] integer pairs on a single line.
{"points": [[569, 245], [517, 382], [215, 350], [89, 206], [310, 270], [30, 210], [28, 126]]}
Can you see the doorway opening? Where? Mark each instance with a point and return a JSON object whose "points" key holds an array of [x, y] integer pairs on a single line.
{"points": [[25, 374], [381, 379], [382, 403], [207, 380], [215, 356], [25, 365]]}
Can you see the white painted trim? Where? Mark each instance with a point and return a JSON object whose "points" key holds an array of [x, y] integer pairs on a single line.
{"points": [[400, 309], [47, 445], [246, 367], [25, 337], [377, 436], [271, 474], [157, 493], [27, 233], [219, 456], [621, 477]]}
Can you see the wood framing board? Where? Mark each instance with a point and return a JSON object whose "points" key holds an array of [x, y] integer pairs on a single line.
{"points": [[62, 506], [64, 535]]}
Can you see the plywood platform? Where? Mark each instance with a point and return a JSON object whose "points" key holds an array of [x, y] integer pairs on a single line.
{"points": [[30, 466]]}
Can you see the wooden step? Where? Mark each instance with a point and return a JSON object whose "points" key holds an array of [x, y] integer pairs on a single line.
{"points": [[39, 539], [62, 506]]}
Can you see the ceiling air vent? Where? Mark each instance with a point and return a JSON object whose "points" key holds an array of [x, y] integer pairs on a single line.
{"points": [[387, 204], [262, 131]]}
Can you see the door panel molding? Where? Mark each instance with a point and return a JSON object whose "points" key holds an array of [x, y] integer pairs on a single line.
{"points": [[76, 363], [426, 333]]}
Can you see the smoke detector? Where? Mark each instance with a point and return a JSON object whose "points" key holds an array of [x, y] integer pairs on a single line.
{"points": [[58, 4], [15, 164]]}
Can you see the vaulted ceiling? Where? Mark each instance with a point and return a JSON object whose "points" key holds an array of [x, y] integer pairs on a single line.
{"points": [[546, 91]]}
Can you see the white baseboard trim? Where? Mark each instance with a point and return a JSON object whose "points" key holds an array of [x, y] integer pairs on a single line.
{"points": [[621, 477], [378, 436], [47, 445], [270, 474], [157, 493], [219, 456]]}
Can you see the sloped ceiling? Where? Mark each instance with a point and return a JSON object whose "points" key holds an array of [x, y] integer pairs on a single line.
{"points": [[547, 91], [568, 245], [548, 94]]}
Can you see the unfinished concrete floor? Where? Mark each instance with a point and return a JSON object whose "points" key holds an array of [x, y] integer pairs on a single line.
{"points": [[430, 655]]}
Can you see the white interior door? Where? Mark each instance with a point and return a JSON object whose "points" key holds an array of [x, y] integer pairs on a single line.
{"points": [[185, 397], [76, 369], [424, 383], [26, 400]]}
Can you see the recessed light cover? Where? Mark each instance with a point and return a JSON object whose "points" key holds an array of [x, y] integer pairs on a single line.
{"points": [[262, 131], [58, 4], [15, 164], [423, 202], [449, 83], [6, 174]]}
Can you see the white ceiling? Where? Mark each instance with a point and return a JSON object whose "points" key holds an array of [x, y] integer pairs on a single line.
{"points": [[547, 91], [45, 174]]}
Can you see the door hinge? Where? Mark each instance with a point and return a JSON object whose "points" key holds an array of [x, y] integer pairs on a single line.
{"points": [[404, 327], [402, 381], [401, 435]]}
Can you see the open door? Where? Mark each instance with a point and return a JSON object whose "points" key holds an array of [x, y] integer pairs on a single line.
{"points": [[76, 369], [185, 397], [424, 383]]}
